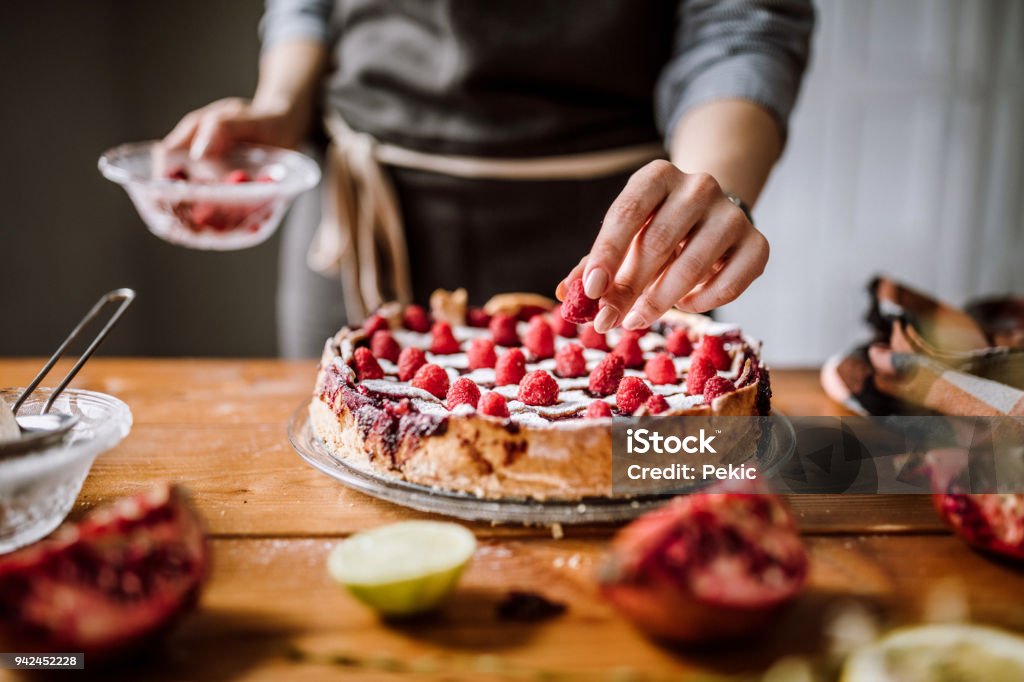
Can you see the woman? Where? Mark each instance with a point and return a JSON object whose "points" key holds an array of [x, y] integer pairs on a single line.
{"points": [[484, 144]]}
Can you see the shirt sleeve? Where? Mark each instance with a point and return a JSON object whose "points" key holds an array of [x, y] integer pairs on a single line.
{"points": [[288, 20], [755, 50]]}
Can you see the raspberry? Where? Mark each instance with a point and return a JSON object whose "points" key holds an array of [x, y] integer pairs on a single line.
{"points": [[442, 340], [577, 307], [503, 329], [366, 365], [476, 317], [598, 409], [715, 387], [656, 404], [510, 367], [384, 346], [678, 343], [592, 339], [628, 348], [375, 323], [493, 405], [538, 388], [409, 361], [631, 394], [527, 312], [237, 177], [661, 370], [539, 339], [605, 378], [481, 353], [569, 361], [432, 379], [562, 326], [713, 348], [700, 371], [415, 319], [463, 392]]}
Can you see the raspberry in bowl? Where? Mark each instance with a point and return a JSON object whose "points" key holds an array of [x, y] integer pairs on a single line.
{"points": [[232, 202]]}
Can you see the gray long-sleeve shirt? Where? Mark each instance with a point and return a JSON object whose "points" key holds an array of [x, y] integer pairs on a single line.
{"points": [[538, 77]]}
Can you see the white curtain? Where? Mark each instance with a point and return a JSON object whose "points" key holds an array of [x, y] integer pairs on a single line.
{"points": [[906, 156]]}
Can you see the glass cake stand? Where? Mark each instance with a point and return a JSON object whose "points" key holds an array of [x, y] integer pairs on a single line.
{"points": [[780, 446]]}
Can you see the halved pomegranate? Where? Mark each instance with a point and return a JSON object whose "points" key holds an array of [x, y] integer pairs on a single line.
{"points": [[991, 522], [707, 566], [110, 582]]}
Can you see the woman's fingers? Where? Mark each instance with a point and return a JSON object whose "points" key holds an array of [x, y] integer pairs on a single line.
{"points": [[575, 273], [697, 259], [181, 136], [745, 265], [644, 191], [658, 243]]}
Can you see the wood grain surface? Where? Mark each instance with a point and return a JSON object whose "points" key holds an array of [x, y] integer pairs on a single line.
{"points": [[271, 613]]}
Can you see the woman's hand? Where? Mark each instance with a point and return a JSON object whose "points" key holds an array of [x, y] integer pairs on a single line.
{"points": [[215, 128], [280, 113], [669, 239]]}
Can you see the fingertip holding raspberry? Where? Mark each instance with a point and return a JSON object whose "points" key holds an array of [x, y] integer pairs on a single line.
{"points": [[577, 306], [631, 394], [538, 388]]}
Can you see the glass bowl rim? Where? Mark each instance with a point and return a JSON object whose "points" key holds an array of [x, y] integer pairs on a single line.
{"points": [[108, 435], [305, 171]]}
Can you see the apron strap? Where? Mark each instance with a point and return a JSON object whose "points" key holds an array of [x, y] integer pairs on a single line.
{"points": [[361, 237]]}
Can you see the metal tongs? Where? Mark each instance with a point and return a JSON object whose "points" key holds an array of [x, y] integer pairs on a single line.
{"points": [[47, 428]]}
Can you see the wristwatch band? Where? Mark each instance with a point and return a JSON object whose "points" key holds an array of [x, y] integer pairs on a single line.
{"points": [[739, 203]]}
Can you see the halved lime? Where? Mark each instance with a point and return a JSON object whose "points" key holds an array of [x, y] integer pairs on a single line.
{"points": [[404, 568], [951, 652]]}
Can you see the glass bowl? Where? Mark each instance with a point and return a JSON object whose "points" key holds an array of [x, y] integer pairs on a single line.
{"points": [[223, 204], [38, 488]]}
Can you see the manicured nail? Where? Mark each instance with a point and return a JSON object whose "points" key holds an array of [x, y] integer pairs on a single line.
{"points": [[595, 283], [606, 319], [560, 291], [634, 321]]}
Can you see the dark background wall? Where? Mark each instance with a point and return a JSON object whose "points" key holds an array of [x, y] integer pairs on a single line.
{"points": [[78, 78]]}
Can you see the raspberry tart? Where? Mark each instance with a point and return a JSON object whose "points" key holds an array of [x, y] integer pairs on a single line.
{"points": [[514, 400]]}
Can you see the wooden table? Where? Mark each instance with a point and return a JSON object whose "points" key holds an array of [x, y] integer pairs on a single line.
{"points": [[218, 427]]}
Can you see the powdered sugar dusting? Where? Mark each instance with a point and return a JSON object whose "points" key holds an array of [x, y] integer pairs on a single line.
{"points": [[573, 398]]}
